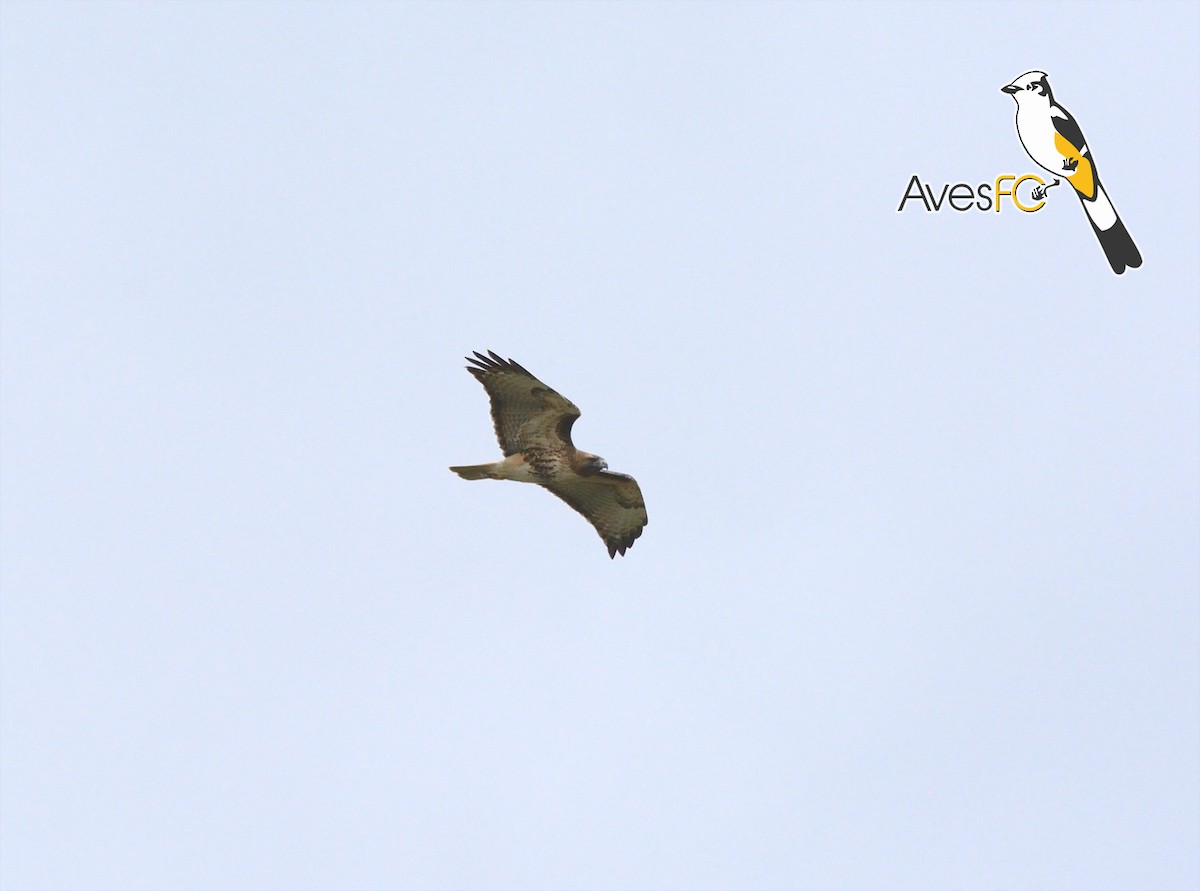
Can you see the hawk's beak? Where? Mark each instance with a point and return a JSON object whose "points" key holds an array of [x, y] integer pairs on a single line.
{"points": [[1010, 89]]}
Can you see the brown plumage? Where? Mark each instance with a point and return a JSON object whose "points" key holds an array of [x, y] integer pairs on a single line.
{"points": [[533, 425]]}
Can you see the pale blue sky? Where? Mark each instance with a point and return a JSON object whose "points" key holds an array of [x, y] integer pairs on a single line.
{"points": [[918, 606]]}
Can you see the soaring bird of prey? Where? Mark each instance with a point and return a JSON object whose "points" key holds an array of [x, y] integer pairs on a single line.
{"points": [[533, 425]]}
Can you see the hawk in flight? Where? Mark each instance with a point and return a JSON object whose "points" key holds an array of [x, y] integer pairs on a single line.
{"points": [[533, 425]]}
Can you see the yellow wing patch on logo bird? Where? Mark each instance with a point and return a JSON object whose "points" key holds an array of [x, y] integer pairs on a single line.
{"points": [[1076, 168]]}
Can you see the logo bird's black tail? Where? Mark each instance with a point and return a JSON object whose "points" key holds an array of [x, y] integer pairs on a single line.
{"points": [[1114, 238]]}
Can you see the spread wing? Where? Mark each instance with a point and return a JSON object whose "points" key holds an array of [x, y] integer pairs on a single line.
{"points": [[525, 412], [612, 502]]}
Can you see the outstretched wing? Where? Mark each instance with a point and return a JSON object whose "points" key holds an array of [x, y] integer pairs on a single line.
{"points": [[525, 412], [612, 502]]}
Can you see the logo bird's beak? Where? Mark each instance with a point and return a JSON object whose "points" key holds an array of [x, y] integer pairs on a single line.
{"points": [[1010, 89]]}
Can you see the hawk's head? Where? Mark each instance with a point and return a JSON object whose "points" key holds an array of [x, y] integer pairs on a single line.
{"points": [[591, 464]]}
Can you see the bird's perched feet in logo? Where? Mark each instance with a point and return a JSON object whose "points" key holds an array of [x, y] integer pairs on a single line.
{"points": [[1039, 192]]}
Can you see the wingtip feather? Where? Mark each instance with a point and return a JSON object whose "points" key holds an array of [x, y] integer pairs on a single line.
{"points": [[493, 361]]}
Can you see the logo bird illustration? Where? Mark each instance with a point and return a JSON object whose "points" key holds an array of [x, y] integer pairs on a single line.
{"points": [[1053, 140]]}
